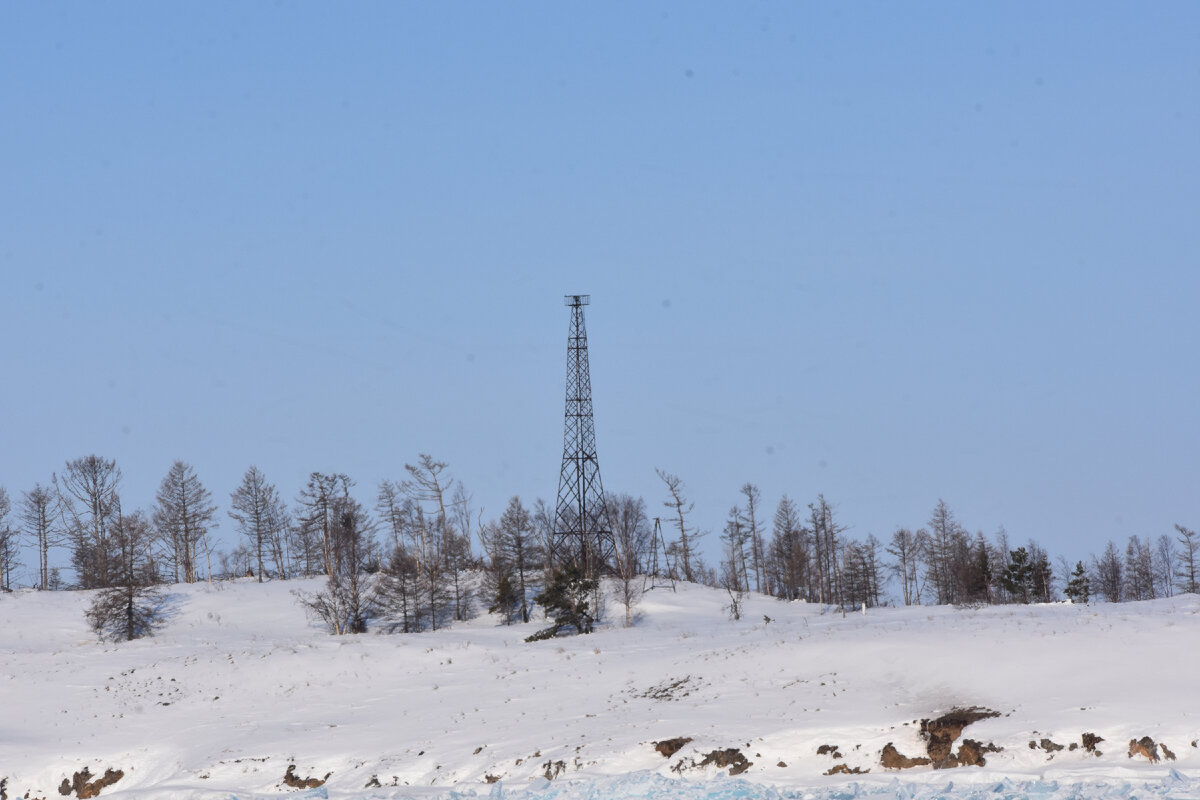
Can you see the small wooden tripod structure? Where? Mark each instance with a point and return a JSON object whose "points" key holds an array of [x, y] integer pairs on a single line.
{"points": [[655, 578]]}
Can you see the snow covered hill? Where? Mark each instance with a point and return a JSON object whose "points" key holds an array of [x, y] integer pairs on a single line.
{"points": [[239, 686]]}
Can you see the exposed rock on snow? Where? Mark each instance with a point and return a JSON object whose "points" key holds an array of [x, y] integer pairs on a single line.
{"points": [[891, 758], [1146, 747], [970, 753], [669, 747], [292, 780], [83, 787], [1047, 745], [730, 757], [845, 769], [941, 733]]}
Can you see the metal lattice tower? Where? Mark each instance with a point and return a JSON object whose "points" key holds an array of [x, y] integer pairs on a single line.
{"points": [[581, 531]]}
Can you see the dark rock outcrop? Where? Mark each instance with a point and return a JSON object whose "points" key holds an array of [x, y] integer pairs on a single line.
{"points": [[1144, 747], [669, 747], [730, 758], [296, 782], [83, 787]]}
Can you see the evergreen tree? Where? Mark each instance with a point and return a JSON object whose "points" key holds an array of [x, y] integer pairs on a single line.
{"points": [[506, 600], [1017, 577], [1079, 588], [519, 550], [565, 601]]}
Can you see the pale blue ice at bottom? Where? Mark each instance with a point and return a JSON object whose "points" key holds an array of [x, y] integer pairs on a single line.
{"points": [[652, 786]]}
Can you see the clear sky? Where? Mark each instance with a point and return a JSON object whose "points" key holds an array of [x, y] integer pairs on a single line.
{"points": [[888, 252]]}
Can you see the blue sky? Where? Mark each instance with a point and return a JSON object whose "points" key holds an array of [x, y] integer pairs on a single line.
{"points": [[886, 252]]}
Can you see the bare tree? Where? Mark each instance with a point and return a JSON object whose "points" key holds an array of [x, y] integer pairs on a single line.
{"points": [[754, 536], [39, 508], [399, 592], [1109, 574], [8, 543], [1165, 565], [393, 517], [631, 535], [861, 573], [734, 573], [260, 516], [348, 601], [1139, 570], [789, 555], [317, 518], [685, 545], [827, 549], [88, 506], [425, 581], [903, 548], [183, 514], [426, 490], [130, 606], [1185, 572], [947, 541], [542, 517]]}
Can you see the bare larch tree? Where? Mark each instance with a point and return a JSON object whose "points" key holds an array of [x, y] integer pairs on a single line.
{"points": [[183, 514]]}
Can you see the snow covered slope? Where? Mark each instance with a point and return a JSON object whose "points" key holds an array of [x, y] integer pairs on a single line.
{"points": [[239, 686]]}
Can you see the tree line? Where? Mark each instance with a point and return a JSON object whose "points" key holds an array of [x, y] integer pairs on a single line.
{"points": [[421, 557]]}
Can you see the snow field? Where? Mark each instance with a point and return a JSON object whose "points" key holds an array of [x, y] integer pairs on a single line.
{"points": [[239, 684]]}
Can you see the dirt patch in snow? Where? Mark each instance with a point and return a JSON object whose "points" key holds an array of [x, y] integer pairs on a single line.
{"points": [[672, 689]]}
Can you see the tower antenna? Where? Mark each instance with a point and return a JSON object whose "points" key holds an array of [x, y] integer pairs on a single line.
{"points": [[581, 535]]}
